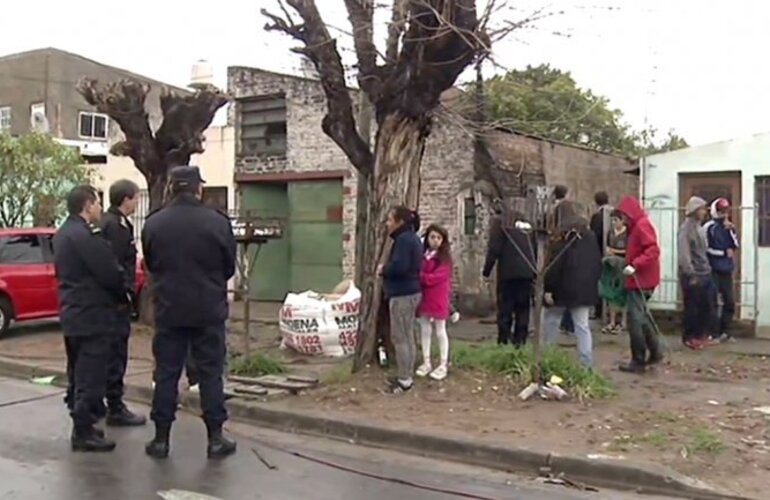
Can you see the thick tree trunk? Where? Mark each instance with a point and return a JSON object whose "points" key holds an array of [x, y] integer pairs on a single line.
{"points": [[156, 187], [398, 154]]}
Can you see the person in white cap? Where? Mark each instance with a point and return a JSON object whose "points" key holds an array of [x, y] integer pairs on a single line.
{"points": [[695, 275], [722, 244]]}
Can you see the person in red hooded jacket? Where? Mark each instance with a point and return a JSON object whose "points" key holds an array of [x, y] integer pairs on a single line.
{"points": [[642, 273]]}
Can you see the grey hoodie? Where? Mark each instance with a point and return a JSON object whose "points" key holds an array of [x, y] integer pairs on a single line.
{"points": [[693, 260]]}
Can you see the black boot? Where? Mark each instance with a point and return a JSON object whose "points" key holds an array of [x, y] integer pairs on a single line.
{"points": [[219, 446], [159, 447], [120, 416], [655, 358], [632, 367], [89, 439]]}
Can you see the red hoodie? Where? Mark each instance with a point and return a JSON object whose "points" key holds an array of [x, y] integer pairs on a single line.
{"points": [[643, 252]]}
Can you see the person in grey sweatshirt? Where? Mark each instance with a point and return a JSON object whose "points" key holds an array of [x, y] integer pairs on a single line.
{"points": [[695, 275]]}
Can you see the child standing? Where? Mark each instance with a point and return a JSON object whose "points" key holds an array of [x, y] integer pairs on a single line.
{"points": [[436, 285], [617, 240]]}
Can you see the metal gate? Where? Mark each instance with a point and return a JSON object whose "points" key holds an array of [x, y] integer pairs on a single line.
{"points": [[668, 297]]}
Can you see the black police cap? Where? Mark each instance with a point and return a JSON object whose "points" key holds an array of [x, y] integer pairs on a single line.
{"points": [[186, 176]]}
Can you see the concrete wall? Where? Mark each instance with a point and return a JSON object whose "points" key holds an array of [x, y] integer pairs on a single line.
{"points": [[660, 190]]}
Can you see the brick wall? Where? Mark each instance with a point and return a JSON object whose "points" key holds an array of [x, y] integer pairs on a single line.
{"points": [[448, 175], [308, 148]]}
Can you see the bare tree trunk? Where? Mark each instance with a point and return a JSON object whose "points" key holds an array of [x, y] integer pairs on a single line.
{"points": [[364, 190], [398, 154]]}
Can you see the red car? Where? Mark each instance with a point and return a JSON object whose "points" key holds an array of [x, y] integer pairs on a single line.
{"points": [[28, 286]]}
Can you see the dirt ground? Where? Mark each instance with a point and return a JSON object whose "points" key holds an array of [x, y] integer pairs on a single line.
{"points": [[695, 413]]}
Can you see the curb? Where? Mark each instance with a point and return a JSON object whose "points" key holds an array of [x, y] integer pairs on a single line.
{"points": [[602, 473]]}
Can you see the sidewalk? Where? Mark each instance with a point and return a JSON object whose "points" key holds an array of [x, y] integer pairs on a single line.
{"points": [[695, 415]]}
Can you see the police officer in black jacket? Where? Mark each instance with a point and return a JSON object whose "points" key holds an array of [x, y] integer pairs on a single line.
{"points": [[91, 289], [511, 249], [189, 250], [119, 232]]}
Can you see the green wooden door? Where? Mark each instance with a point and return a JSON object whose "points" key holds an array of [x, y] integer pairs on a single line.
{"points": [[269, 278], [315, 234]]}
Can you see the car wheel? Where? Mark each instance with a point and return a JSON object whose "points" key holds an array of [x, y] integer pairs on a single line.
{"points": [[6, 313]]}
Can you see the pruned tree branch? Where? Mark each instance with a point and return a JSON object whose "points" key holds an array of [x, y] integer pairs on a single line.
{"points": [[124, 102], [185, 117], [395, 30], [361, 14], [339, 122]]}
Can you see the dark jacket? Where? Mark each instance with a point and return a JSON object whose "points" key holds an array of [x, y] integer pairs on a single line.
{"points": [[720, 240], [91, 285], [512, 250], [575, 268], [401, 275], [189, 250], [118, 230], [598, 223]]}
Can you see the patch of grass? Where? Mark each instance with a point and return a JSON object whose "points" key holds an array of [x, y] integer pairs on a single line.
{"points": [[517, 364], [339, 375], [653, 438], [256, 365], [704, 441]]}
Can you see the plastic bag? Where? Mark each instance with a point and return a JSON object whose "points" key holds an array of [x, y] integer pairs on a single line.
{"points": [[321, 324]]}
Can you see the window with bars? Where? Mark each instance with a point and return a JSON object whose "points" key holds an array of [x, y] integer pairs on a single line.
{"points": [[5, 118], [762, 185], [263, 126]]}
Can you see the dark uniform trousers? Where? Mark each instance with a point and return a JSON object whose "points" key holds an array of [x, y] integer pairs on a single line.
{"points": [[87, 359], [116, 363], [118, 360], [171, 346]]}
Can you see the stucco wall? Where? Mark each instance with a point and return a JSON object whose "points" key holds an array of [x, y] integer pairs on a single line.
{"points": [[660, 190]]}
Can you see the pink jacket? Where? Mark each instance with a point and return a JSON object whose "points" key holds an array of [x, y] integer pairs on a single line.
{"points": [[436, 283]]}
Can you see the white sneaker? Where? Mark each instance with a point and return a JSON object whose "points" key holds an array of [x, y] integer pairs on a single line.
{"points": [[455, 317], [194, 389], [439, 373], [424, 370]]}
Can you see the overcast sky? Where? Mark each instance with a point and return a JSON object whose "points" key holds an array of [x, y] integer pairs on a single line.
{"points": [[696, 66]]}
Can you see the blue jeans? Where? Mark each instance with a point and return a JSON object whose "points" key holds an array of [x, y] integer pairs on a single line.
{"points": [[580, 315]]}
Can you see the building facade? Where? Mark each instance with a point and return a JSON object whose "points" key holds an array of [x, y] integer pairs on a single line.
{"points": [[286, 166], [38, 92], [738, 170]]}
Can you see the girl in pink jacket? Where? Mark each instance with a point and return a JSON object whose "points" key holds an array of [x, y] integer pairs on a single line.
{"points": [[433, 311]]}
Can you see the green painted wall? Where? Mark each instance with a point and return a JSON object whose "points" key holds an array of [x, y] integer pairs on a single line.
{"points": [[309, 256]]}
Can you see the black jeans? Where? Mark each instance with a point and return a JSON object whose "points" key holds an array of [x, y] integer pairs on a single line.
{"points": [[87, 359], [726, 289], [641, 331], [170, 347], [566, 322], [699, 307], [513, 299]]}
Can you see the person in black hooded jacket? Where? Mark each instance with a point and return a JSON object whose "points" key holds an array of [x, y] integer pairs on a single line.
{"points": [[572, 283], [511, 249]]}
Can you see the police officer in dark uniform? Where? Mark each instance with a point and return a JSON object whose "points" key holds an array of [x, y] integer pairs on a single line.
{"points": [[189, 250], [118, 230], [91, 289]]}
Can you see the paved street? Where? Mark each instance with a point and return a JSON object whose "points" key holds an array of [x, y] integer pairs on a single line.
{"points": [[35, 463]]}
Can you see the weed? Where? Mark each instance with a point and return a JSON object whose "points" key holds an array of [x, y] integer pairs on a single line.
{"points": [[256, 365], [517, 364], [704, 441], [339, 375]]}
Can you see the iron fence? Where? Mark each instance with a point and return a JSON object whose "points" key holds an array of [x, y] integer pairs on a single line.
{"points": [[668, 295]]}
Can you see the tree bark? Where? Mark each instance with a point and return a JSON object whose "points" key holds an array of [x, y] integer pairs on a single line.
{"points": [[398, 153]]}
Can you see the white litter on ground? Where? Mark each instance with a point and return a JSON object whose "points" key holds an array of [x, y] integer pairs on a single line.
{"points": [[184, 495]]}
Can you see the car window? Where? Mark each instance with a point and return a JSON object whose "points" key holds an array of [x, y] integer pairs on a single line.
{"points": [[21, 249]]}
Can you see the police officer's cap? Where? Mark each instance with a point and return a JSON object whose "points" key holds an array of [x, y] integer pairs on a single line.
{"points": [[186, 176]]}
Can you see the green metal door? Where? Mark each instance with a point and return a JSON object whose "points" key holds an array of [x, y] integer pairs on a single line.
{"points": [[270, 275], [315, 234]]}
